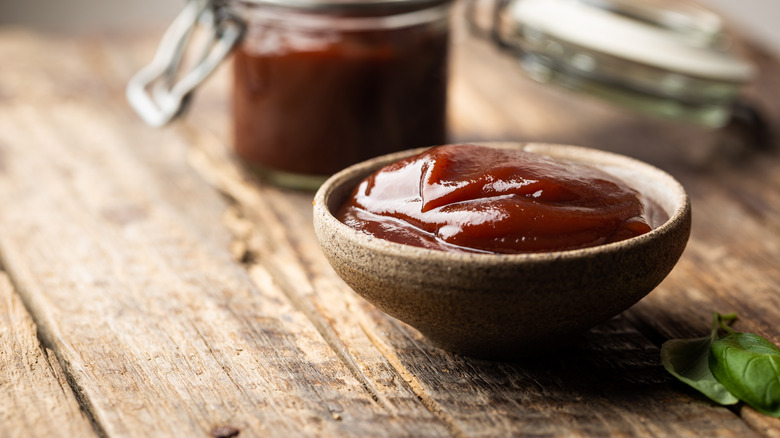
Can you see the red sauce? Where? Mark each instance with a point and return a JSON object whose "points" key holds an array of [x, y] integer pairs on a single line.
{"points": [[314, 104], [480, 199]]}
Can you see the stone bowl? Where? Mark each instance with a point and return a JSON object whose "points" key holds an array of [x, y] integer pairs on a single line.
{"points": [[506, 306]]}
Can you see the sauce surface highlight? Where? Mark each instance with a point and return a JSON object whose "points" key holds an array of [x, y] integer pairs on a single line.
{"points": [[470, 198]]}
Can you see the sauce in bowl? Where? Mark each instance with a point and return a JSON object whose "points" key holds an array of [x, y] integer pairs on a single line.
{"points": [[470, 198]]}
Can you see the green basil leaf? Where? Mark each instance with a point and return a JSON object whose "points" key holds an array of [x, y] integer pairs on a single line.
{"points": [[749, 367], [688, 361]]}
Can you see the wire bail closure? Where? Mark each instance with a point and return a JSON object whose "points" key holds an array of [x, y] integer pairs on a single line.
{"points": [[160, 91]]}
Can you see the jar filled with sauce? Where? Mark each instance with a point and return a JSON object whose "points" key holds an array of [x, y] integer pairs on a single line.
{"points": [[319, 85]]}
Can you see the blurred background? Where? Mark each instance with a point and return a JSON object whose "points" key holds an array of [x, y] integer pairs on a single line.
{"points": [[756, 18]]}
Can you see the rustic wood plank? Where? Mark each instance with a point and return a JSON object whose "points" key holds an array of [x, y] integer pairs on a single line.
{"points": [[35, 398], [611, 383], [284, 245], [121, 253], [615, 368]]}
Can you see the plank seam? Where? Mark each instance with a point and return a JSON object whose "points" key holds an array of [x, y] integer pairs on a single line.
{"points": [[78, 392], [47, 350]]}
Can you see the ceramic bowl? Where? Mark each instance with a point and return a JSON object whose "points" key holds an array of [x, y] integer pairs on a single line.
{"points": [[506, 306]]}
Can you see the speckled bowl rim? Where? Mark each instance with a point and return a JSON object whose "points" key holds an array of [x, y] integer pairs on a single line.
{"points": [[357, 172]]}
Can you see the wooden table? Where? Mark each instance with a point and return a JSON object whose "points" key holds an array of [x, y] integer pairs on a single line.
{"points": [[150, 287]]}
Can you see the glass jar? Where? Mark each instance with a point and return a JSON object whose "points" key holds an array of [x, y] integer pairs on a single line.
{"points": [[319, 85], [667, 58]]}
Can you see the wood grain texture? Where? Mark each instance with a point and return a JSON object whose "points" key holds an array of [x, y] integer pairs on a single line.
{"points": [[185, 298], [35, 398], [120, 251], [609, 383]]}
